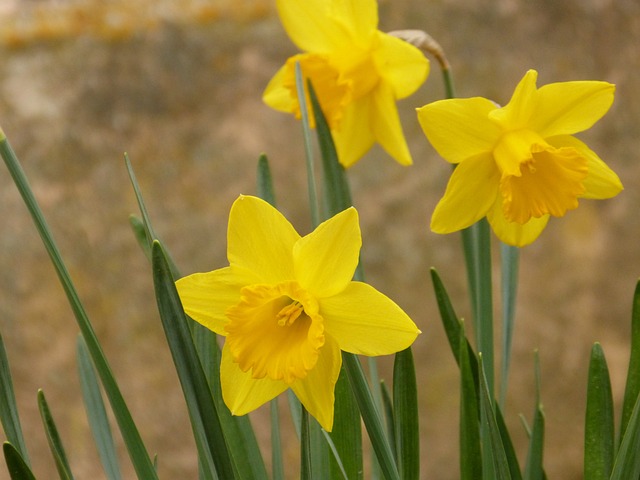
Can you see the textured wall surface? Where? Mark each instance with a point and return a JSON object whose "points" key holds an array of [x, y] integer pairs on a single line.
{"points": [[180, 91]]}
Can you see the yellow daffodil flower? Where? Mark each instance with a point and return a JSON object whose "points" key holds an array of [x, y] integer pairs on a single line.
{"points": [[519, 164], [357, 72], [287, 306]]}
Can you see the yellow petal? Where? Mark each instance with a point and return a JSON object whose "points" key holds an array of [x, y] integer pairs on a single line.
{"points": [[460, 128], [470, 194], [326, 259], [513, 233], [565, 108], [360, 17], [601, 181], [401, 65], [241, 392], [260, 239], [365, 321], [313, 25], [522, 106], [316, 391], [278, 94], [354, 136], [386, 125], [206, 296]]}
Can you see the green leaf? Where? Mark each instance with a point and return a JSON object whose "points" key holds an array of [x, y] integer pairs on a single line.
{"points": [[320, 450], [140, 233], [137, 452], [55, 443], [9, 408], [533, 469], [338, 471], [627, 462], [347, 432], [148, 234], [494, 446], [337, 194], [96, 413], [370, 416], [265, 182], [599, 436], [387, 408], [405, 415], [470, 450], [17, 466], [510, 452], [452, 326], [632, 388], [205, 421]]}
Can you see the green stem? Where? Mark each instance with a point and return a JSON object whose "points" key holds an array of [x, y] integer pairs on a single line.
{"points": [[510, 259], [449, 91], [306, 129], [305, 446], [477, 250]]}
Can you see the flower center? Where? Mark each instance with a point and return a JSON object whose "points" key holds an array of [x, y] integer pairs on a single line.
{"points": [[275, 331], [537, 178], [333, 91]]}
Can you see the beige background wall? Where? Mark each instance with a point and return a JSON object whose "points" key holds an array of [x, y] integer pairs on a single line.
{"points": [[179, 90]]}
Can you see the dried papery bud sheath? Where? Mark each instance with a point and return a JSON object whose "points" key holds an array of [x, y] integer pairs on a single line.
{"points": [[425, 42]]}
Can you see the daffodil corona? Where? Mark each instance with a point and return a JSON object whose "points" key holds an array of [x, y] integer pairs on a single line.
{"points": [[519, 165], [357, 71], [287, 307]]}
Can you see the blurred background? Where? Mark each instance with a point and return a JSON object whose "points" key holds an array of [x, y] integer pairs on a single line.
{"points": [[178, 86]]}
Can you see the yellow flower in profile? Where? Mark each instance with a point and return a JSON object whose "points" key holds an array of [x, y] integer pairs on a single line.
{"points": [[287, 307], [519, 164], [357, 72]]}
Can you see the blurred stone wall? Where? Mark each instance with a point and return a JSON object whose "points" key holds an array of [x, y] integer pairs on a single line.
{"points": [[179, 89]]}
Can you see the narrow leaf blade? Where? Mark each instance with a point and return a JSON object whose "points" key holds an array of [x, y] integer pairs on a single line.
{"points": [[405, 415], [17, 466], [265, 181], [202, 410], [495, 447], [627, 462], [55, 443], [347, 432], [370, 416], [632, 388], [599, 437], [96, 413], [534, 469], [470, 450], [9, 408]]}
